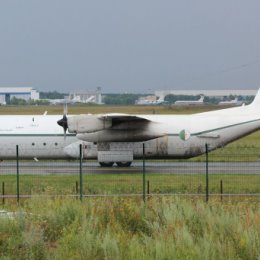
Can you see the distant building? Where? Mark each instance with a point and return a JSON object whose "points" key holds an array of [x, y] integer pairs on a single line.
{"points": [[6, 94], [88, 97]]}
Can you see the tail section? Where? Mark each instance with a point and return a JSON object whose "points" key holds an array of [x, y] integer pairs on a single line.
{"points": [[256, 101], [201, 98]]}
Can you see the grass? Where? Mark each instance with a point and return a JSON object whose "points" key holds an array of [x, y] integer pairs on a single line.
{"points": [[129, 181], [246, 149], [125, 228], [97, 109], [131, 184]]}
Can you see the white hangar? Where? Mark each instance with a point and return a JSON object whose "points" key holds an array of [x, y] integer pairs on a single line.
{"points": [[6, 94]]}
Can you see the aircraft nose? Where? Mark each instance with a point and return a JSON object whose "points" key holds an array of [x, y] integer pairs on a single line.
{"points": [[63, 122]]}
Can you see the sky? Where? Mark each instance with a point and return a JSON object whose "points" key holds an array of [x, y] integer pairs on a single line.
{"points": [[136, 46]]}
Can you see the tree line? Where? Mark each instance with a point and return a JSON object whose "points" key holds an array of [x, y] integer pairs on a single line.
{"points": [[123, 99]]}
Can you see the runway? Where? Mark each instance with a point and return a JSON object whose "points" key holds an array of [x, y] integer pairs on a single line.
{"points": [[151, 167]]}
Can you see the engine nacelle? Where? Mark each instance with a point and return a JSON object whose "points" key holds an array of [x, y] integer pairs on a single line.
{"points": [[119, 136], [88, 124]]}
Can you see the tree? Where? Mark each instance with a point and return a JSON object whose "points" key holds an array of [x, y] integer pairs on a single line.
{"points": [[120, 99], [52, 95]]}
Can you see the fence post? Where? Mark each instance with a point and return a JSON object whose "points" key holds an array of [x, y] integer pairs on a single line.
{"points": [[207, 173], [77, 188], [80, 173], [144, 195], [221, 190], [3, 192], [17, 175]]}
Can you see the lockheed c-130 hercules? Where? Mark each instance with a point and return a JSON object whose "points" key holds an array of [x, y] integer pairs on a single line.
{"points": [[118, 138]]}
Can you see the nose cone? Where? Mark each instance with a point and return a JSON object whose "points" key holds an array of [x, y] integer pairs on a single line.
{"points": [[72, 150], [63, 123]]}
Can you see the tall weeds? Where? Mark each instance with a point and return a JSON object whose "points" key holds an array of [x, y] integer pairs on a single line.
{"points": [[124, 228]]}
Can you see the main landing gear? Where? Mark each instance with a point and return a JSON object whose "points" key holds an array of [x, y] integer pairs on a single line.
{"points": [[119, 164]]}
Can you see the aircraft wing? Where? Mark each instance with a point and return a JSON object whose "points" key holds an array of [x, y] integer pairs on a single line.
{"points": [[95, 123], [118, 118], [110, 127]]}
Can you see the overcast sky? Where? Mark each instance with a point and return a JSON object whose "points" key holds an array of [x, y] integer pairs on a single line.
{"points": [[133, 46]]}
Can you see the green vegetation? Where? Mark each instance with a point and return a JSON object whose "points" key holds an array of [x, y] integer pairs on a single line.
{"points": [[22, 102], [97, 109], [125, 228], [120, 99], [131, 184], [52, 95], [246, 149]]}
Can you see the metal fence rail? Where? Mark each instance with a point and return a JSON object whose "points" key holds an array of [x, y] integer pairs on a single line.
{"points": [[228, 171]]}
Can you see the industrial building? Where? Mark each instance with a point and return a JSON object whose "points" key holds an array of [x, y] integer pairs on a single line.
{"points": [[87, 97], [6, 94]]}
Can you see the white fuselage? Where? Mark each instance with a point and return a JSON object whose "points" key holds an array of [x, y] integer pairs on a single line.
{"points": [[181, 136], [36, 136]]}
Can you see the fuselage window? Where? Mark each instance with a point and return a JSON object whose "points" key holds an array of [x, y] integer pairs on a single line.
{"points": [[44, 144], [56, 144], [33, 144]]}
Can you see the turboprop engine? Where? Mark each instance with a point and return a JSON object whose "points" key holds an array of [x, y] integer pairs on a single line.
{"points": [[88, 124], [84, 124], [111, 128]]}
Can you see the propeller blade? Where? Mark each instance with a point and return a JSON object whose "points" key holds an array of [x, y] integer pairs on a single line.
{"points": [[64, 121], [64, 124], [64, 134], [65, 109]]}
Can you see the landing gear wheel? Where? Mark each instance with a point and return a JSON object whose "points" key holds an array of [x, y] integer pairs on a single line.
{"points": [[106, 164], [123, 164]]}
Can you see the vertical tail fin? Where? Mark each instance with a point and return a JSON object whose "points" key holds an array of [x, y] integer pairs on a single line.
{"points": [[256, 101], [201, 98]]}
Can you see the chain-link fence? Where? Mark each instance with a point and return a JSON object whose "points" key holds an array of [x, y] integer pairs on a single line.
{"points": [[224, 172]]}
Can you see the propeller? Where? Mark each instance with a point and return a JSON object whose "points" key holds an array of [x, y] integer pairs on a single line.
{"points": [[64, 121]]}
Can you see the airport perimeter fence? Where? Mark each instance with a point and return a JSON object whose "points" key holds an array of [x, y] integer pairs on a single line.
{"points": [[224, 173]]}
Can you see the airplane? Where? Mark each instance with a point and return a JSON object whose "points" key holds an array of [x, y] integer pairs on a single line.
{"points": [[75, 99], [145, 102], [62, 101], [230, 102], [119, 138], [190, 102]]}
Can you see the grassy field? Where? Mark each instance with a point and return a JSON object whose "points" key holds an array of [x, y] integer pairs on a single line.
{"points": [[97, 109], [125, 228], [131, 184]]}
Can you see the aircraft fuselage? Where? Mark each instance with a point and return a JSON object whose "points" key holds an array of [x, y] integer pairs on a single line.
{"points": [[168, 136]]}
